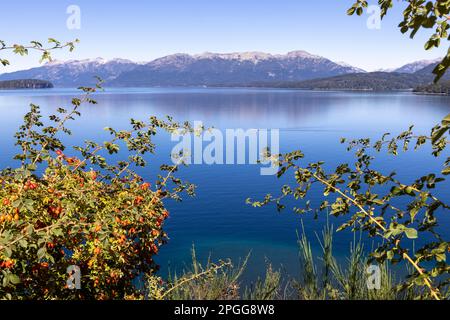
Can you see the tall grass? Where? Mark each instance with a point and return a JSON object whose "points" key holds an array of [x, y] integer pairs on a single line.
{"points": [[321, 277], [210, 282], [339, 281]]}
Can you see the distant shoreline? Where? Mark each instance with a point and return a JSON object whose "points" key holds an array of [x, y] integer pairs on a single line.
{"points": [[419, 93], [123, 89], [24, 84], [35, 84]]}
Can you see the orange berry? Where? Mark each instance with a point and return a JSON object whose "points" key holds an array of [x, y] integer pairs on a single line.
{"points": [[9, 264], [154, 248], [155, 233], [145, 186], [138, 200]]}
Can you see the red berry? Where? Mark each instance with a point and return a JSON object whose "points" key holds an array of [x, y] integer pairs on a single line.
{"points": [[145, 186]]}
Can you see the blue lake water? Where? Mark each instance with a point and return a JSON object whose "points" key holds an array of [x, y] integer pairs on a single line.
{"points": [[217, 220]]}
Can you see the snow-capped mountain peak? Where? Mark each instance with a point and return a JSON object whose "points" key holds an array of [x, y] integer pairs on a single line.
{"points": [[347, 65], [302, 54], [252, 56], [416, 66], [98, 61]]}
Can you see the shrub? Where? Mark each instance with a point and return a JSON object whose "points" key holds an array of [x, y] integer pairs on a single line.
{"points": [[58, 211]]}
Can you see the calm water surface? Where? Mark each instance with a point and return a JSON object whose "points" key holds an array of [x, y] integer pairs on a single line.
{"points": [[217, 220]]}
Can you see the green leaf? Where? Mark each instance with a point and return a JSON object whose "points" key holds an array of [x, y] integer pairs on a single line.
{"points": [[5, 281], [446, 171], [441, 257], [438, 134], [390, 254], [409, 191], [41, 253], [14, 279], [7, 252], [411, 233], [58, 232], [446, 121], [23, 243]]}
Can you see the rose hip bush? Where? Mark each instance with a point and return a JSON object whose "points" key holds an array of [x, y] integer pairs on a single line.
{"points": [[59, 210], [108, 221], [111, 231]]}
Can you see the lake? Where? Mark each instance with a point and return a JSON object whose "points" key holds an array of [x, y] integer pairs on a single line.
{"points": [[217, 221]]}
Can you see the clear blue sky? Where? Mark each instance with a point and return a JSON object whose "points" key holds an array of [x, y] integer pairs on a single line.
{"points": [[142, 30]]}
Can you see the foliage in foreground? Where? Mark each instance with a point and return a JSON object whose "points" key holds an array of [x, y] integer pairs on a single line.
{"points": [[380, 205], [321, 277]]}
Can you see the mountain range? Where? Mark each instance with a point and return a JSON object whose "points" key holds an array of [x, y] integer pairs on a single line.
{"points": [[229, 69], [294, 69]]}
